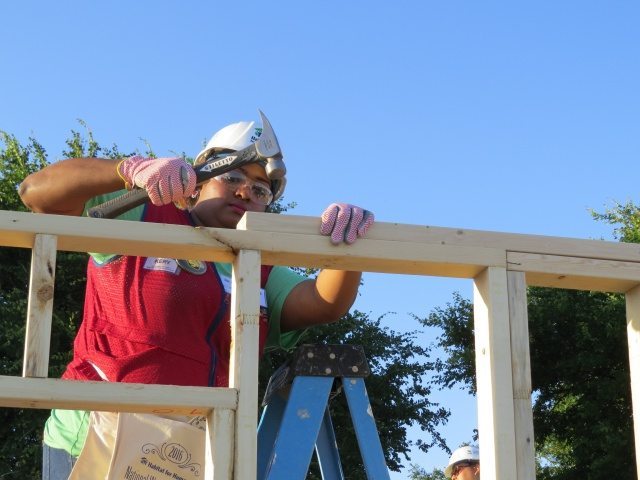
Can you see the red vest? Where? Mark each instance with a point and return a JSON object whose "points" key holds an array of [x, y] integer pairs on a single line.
{"points": [[156, 320]]}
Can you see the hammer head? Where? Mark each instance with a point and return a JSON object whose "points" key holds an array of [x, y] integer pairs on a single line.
{"points": [[267, 148], [265, 151]]}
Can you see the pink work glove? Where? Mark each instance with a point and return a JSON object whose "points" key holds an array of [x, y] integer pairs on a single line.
{"points": [[345, 222], [166, 180]]}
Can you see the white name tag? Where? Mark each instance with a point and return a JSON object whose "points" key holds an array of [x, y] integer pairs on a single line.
{"points": [[163, 264], [226, 283]]}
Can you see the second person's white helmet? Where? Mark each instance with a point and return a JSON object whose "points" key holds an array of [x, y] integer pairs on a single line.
{"points": [[236, 137], [468, 453]]}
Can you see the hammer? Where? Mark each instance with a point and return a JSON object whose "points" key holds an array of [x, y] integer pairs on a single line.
{"points": [[265, 150]]}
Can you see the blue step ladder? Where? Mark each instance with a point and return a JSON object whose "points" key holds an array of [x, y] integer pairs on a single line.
{"points": [[296, 417]]}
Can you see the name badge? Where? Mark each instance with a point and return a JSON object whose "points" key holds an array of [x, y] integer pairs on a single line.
{"points": [[162, 264]]}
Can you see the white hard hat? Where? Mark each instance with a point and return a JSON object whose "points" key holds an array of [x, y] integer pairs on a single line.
{"points": [[462, 454], [236, 137]]}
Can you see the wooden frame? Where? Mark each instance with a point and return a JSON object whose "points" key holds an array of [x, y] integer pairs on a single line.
{"points": [[501, 264]]}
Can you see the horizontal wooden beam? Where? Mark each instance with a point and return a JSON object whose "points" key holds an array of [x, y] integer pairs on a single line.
{"points": [[388, 248], [575, 272], [45, 393], [371, 255], [18, 229], [76, 234], [425, 234]]}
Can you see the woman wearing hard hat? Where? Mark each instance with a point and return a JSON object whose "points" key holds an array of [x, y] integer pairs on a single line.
{"points": [[166, 321], [464, 464]]}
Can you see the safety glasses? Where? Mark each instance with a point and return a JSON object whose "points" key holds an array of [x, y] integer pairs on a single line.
{"points": [[259, 192], [461, 466]]}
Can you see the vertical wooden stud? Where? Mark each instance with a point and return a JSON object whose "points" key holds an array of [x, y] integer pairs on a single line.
{"points": [[243, 368], [521, 371], [40, 307], [633, 337], [219, 446], [493, 374]]}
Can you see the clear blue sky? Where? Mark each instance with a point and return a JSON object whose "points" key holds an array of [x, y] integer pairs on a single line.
{"points": [[496, 115]]}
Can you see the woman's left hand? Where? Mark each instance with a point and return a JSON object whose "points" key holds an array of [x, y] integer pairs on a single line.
{"points": [[344, 222]]}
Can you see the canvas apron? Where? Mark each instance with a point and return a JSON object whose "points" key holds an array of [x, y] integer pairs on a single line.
{"points": [[140, 446]]}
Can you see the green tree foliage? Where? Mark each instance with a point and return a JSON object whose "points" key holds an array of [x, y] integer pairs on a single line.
{"points": [[397, 389], [456, 341], [625, 219], [418, 473], [579, 367], [580, 373]]}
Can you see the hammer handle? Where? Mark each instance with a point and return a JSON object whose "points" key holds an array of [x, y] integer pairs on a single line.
{"points": [[119, 205], [204, 172]]}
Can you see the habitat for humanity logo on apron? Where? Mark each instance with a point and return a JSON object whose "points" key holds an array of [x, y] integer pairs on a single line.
{"points": [[140, 446]]}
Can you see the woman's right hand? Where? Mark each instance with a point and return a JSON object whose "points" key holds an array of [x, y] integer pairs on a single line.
{"points": [[166, 180]]}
